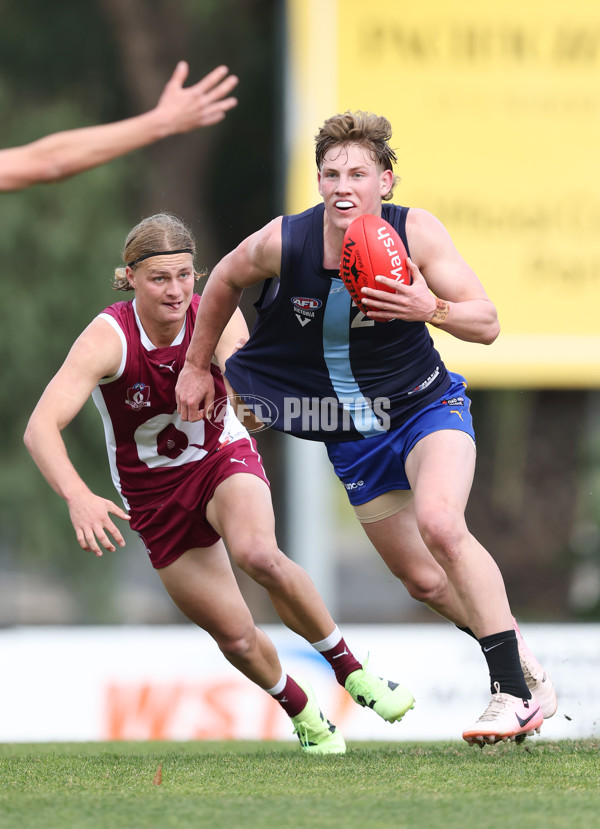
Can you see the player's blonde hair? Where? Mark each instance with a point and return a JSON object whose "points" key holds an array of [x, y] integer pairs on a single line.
{"points": [[161, 233], [364, 128]]}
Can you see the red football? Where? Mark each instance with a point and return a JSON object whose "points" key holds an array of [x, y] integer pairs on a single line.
{"points": [[372, 247]]}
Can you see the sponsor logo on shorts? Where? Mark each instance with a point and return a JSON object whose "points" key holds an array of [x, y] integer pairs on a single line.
{"points": [[454, 401], [353, 485]]}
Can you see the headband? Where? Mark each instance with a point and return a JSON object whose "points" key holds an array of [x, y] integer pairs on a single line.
{"points": [[158, 253]]}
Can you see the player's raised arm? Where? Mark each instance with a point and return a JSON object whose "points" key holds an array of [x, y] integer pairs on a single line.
{"points": [[64, 154], [258, 257], [95, 354]]}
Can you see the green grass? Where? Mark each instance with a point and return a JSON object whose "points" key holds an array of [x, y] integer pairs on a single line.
{"points": [[248, 785]]}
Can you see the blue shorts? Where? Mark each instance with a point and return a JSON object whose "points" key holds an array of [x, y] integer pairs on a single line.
{"points": [[367, 468]]}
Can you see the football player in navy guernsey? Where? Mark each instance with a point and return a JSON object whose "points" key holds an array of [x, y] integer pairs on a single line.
{"points": [[399, 431], [187, 486]]}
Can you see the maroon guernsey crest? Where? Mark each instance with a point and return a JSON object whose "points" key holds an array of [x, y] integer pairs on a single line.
{"points": [[138, 396]]}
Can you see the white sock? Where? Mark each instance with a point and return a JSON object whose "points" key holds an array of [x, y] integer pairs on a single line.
{"points": [[330, 642], [277, 689]]}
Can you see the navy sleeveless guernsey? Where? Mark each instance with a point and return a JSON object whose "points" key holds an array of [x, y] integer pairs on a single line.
{"points": [[320, 368]]}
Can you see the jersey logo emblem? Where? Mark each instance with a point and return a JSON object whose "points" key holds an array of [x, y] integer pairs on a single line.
{"points": [[306, 302], [138, 396], [304, 308]]}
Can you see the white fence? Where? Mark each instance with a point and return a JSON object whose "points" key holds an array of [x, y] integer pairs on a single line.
{"points": [[172, 683]]}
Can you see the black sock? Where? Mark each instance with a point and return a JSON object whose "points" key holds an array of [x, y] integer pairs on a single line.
{"points": [[501, 651]]}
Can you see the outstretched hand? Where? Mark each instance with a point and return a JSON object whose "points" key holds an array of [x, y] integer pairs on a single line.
{"points": [[413, 302], [200, 105], [90, 516]]}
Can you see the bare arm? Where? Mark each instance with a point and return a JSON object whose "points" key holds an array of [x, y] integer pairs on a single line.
{"points": [[233, 337], [258, 257], [63, 154], [438, 271], [96, 354], [236, 331]]}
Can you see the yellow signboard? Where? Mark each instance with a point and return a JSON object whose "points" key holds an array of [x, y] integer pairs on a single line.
{"points": [[496, 116]]}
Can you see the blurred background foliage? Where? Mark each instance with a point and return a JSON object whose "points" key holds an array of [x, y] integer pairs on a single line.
{"points": [[536, 499]]}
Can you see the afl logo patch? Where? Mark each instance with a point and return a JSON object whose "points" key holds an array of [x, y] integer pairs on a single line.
{"points": [[305, 303]]}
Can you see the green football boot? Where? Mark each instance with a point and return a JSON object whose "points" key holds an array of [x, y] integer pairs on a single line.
{"points": [[316, 734], [388, 699]]}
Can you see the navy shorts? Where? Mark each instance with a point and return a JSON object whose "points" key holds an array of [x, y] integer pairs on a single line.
{"points": [[369, 467]]}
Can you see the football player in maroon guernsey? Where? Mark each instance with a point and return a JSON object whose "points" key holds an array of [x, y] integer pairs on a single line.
{"points": [[186, 486], [396, 422]]}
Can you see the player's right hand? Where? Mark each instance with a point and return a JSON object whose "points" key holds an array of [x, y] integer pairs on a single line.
{"points": [[194, 393], [90, 516]]}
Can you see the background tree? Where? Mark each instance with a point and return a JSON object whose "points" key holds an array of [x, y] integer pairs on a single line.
{"points": [[72, 64]]}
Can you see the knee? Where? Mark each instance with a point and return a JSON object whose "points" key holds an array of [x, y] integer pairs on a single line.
{"points": [[259, 559], [427, 587], [236, 646], [422, 576], [445, 535]]}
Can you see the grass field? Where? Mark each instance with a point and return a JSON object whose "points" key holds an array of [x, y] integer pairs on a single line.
{"points": [[248, 785]]}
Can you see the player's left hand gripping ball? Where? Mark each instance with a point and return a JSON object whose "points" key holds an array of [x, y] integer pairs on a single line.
{"points": [[372, 247]]}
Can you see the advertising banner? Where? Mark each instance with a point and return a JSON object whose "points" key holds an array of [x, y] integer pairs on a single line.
{"points": [[495, 110], [172, 683]]}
